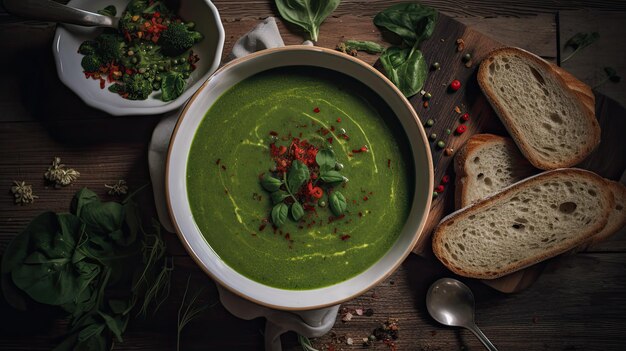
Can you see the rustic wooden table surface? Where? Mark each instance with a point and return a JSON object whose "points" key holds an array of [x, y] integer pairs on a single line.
{"points": [[578, 303]]}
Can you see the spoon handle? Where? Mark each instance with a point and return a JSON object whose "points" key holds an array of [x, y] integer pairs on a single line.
{"points": [[47, 10], [482, 337]]}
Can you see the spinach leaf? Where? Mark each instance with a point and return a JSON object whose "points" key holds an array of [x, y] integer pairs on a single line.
{"points": [[279, 214], [413, 22], [325, 158], [580, 41], [296, 211], [297, 176], [115, 325], [46, 272], [406, 68], [172, 86], [82, 197], [307, 14], [270, 183], [338, 203]]}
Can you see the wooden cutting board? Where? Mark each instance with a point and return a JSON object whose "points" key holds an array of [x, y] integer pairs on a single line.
{"points": [[445, 109]]}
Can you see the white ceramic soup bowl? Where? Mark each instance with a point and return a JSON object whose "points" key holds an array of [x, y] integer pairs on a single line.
{"points": [[176, 184], [67, 40]]}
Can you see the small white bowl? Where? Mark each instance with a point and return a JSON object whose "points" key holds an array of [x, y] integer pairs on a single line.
{"points": [[176, 179], [68, 38]]}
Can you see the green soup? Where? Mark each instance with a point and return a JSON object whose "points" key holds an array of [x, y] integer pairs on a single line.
{"points": [[231, 150]]}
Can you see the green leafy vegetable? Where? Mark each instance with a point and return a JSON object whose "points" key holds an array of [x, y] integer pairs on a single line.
{"points": [[326, 159], [305, 343], [108, 11], [297, 211], [278, 196], [279, 214], [270, 183], [580, 41], [406, 68], [610, 76], [172, 86], [70, 260], [413, 22], [297, 176], [338, 203], [352, 46], [331, 177], [307, 14]]}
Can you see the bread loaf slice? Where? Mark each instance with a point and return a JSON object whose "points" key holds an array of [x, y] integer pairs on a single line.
{"points": [[530, 221], [486, 164], [617, 217], [548, 112]]}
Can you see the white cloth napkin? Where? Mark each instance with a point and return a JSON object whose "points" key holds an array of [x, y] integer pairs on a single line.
{"points": [[264, 36]]}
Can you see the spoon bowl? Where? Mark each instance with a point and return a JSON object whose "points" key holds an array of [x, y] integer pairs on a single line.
{"points": [[450, 302]]}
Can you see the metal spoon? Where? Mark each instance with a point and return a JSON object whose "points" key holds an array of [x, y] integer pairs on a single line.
{"points": [[451, 302], [47, 10]]}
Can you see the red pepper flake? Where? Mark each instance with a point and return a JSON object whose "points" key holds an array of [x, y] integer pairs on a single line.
{"points": [[388, 163], [365, 198], [425, 104], [262, 226], [360, 214], [461, 129], [439, 189], [288, 236], [273, 133], [102, 82], [445, 179], [316, 110], [330, 140], [465, 117], [362, 149], [223, 167], [339, 120], [218, 161], [345, 237], [455, 85]]}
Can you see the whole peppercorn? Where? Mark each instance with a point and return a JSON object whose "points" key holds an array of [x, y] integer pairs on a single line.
{"points": [[441, 144], [455, 85], [439, 189], [430, 123], [433, 137], [467, 57], [435, 194], [436, 66], [321, 203], [445, 179], [448, 151], [448, 131], [461, 129], [465, 117], [428, 96]]}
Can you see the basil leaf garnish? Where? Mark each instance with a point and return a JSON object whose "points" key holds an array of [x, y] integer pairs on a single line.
{"points": [[331, 177], [279, 214], [325, 158], [270, 183], [338, 203], [278, 196], [297, 211], [298, 175]]}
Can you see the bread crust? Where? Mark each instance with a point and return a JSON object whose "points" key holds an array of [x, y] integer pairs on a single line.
{"points": [[460, 215], [612, 227], [461, 158], [583, 97]]}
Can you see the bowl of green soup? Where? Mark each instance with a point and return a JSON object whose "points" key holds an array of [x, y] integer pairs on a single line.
{"points": [[299, 177]]}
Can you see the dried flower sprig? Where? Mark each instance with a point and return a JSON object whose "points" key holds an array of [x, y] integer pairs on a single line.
{"points": [[23, 193], [119, 188], [58, 174]]}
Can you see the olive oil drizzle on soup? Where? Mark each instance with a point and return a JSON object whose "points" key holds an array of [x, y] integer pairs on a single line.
{"points": [[231, 150]]}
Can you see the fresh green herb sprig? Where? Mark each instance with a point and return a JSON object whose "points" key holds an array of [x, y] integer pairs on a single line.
{"points": [[292, 181], [73, 260], [305, 343], [307, 15], [189, 310], [578, 42], [610, 76], [351, 47]]}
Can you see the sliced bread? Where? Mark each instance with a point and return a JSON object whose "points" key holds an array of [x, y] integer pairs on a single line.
{"points": [[548, 112], [617, 217], [530, 221], [486, 164]]}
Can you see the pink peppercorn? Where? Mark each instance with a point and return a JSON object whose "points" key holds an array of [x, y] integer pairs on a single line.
{"points": [[445, 179], [455, 85], [465, 117], [461, 129], [439, 189]]}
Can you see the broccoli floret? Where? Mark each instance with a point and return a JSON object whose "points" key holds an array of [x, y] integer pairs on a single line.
{"points": [[110, 47], [137, 87], [87, 47], [177, 38], [91, 63], [136, 6]]}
